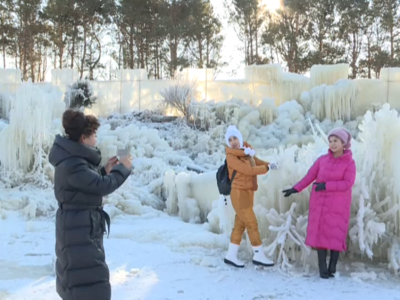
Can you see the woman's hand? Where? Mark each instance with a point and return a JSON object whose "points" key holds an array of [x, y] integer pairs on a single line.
{"points": [[110, 164], [273, 166], [126, 161], [288, 192], [320, 186]]}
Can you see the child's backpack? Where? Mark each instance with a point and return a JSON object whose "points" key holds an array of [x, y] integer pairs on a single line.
{"points": [[223, 182]]}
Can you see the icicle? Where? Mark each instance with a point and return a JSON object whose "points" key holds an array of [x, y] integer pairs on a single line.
{"points": [[27, 139], [5, 105], [335, 102], [267, 109], [170, 187]]}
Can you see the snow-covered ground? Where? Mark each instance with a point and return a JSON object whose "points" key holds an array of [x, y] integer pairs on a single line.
{"points": [[156, 256]]}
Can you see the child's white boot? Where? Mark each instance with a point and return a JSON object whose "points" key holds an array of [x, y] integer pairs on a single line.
{"points": [[260, 259], [231, 256]]}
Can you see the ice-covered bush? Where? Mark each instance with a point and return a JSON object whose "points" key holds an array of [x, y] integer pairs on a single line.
{"points": [[80, 94], [180, 95]]}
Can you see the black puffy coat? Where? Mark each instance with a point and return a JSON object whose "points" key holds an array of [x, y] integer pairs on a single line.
{"points": [[79, 186]]}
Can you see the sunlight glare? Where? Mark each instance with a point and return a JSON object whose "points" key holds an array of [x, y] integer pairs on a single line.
{"points": [[271, 5]]}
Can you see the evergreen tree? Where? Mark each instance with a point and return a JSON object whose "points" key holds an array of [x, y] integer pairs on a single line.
{"points": [[247, 18], [388, 12], [286, 33], [323, 32], [58, 14], [353, 24], [204, 35], [7, 30]]}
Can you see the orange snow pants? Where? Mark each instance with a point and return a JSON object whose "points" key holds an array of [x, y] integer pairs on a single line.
{"points": [[242, 202]]}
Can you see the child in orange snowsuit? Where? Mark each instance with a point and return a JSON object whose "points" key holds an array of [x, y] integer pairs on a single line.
{"points": [[240, 157]]}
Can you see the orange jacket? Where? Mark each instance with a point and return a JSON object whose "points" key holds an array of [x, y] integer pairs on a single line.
{"points": [[246, 173]]}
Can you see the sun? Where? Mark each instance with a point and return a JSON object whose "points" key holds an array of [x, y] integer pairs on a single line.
{"points": [[271, 5]]}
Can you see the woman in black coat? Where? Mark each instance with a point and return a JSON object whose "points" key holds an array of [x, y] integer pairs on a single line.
{"points": [[79, 187]]}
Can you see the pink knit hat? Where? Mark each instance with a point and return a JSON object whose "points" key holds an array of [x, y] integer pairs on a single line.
{"points": [[342, 134]]}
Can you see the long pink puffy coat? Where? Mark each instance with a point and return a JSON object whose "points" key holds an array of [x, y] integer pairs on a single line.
{"points": [[329, 213]]}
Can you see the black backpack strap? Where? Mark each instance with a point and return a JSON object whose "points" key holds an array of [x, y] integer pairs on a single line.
{"points": [[234, 172]]}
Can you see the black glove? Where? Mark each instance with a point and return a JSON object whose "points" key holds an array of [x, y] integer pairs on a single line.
{"points": [[288, 192], [320, 186]]}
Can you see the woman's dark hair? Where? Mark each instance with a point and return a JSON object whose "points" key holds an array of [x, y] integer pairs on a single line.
{"points": [[75, 124]]}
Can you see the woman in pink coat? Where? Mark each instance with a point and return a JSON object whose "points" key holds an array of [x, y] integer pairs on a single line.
{"points": [[333, 177]]}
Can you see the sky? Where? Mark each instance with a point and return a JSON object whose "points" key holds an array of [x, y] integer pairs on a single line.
{"points": [[230, 51]]}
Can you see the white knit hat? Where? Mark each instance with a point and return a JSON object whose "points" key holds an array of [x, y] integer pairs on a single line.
{"points": [[233, 131]]}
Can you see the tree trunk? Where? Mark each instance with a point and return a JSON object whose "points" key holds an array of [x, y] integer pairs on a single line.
{"points": [[61, 46], [174, 57], [44, 64], [200, 63], [296, 54], [256, 38], [73, 47], [16, 59], [251, 44], [142, 49], [21, 57], [246, 51], [25, 54], [354, 57], [4, 54], [147, 56], [39, 70], [4, 48], [93, 66], [131, 51], [369, 57], [84, 51], [391, 43], [208, 53], [119, 56], [320, 46], [157, 62]]}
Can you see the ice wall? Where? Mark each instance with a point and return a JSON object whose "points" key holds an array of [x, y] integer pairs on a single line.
{"points": [[132, 90], [328, 74], [283, 86], [197, 75], [10, 79], [61, 78]]}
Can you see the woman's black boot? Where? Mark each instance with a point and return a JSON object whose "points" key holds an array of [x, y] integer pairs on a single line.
{"points": [[333, 262], [323, 270]]}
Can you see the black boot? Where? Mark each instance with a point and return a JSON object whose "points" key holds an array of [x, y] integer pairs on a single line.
{"points": [[323, 270], [332, 263]]}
